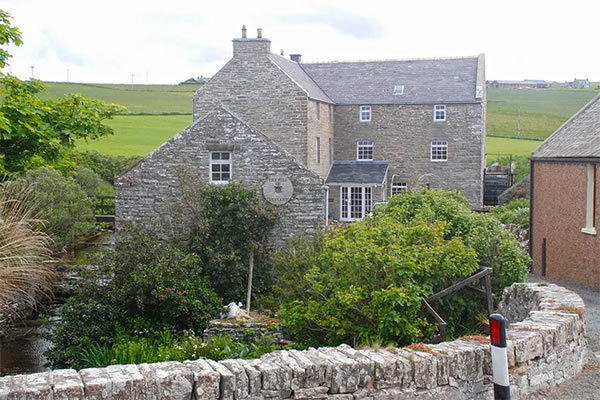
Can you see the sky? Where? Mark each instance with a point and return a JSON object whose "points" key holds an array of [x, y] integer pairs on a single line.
{"points": [[166, 42]]}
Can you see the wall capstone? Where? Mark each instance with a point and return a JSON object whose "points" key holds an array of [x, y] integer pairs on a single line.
{"points": [[546, 345]]}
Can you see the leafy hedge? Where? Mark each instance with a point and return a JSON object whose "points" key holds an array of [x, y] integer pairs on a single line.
{"points": [[366, 281], [514, 212]]}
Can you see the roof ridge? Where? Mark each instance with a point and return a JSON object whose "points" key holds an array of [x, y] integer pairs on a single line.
{"points": [[392, 60]]}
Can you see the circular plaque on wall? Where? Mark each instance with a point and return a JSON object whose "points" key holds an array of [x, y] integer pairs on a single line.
{"points": [[278, 189]]}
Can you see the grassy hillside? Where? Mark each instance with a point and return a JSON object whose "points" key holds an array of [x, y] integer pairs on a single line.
{"points": [[138, 135], [139, 99], [542, 111]]}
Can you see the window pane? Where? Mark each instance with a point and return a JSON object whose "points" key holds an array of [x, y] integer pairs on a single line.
{"points": [[224, 156], [224, 167], [215, 155]]}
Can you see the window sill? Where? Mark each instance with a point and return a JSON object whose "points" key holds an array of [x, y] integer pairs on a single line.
{"points": [[219, 182], [589, 231]]}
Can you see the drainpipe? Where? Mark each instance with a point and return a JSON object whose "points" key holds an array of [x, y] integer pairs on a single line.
{"points": [[326, 189]]}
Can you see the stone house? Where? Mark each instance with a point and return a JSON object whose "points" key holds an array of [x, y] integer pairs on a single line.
{"points": [[565, 199], [364, 130]]}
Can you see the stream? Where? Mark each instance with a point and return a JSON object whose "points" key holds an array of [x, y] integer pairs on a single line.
{"points": [[23, 350]]}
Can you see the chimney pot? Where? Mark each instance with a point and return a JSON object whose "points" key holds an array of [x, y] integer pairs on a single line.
{"points": [[259, 33], [296, 57], [243, 31]]}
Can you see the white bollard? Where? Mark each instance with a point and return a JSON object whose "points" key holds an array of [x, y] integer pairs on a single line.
{"points": [[499, 357]]}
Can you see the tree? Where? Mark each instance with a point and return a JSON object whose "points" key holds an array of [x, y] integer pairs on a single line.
{"points": [[34, 131]]}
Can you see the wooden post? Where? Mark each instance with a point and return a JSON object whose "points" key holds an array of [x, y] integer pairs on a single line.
{"points": [[250, 268], [488, 291]]}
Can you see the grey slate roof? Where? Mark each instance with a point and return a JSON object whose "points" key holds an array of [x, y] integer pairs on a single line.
{"points": [[579, 137], [294, 71], [358, 172], [372, 82]]}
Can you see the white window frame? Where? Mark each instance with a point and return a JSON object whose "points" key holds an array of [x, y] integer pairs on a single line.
{"points": [[220, 162], [366, 202], [365, 113], [590, 200], [436, 147], [398, 187], [398, 90], [318, 110], [364, 146], [441, 108]]}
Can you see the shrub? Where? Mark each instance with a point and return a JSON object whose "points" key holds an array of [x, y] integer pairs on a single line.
{"points": [[155, 287], [366, 282], [25, 273], [105, 165], [65, 208], [514, 212], [232, 223], [370, 279], [91, 183]]}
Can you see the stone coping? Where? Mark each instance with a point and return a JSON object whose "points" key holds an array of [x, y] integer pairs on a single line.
{"points": [[546, 345]]}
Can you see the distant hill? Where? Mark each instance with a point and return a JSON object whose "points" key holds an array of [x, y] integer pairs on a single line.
{"points": [[542, 111], [139, 99]]}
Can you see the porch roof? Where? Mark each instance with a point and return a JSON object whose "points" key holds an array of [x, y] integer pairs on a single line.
{"points": [[357, 172]]}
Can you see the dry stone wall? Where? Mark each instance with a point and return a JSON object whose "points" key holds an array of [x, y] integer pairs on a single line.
{"points": [[546, 345]]}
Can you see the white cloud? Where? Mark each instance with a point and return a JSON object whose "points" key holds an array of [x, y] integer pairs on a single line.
{"points": [[108, 41]]}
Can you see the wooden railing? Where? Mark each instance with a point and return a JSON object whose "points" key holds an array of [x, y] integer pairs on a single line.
{"points": [[485, 274]]}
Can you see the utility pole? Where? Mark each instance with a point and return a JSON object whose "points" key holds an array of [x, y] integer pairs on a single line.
{"points": [[32, 71], [132, 75], [518, 122]]}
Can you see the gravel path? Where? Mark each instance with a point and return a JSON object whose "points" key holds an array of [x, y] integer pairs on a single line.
{"points": [[587, 385]]}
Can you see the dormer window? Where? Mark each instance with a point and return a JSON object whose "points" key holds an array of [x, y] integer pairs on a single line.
{"points": [[398, 90], [439, 112], [365, 113], [364, 151]]}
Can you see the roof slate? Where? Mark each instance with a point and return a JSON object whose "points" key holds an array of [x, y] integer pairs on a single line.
{"points": [[358, 172], [294, 71], [372, 82], [579, 137]]}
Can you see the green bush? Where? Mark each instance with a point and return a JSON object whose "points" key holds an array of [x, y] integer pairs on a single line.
{"points": [[154, 287], [105, 165], [366, 282], [63, 205], [232, 223], [514, 212], [92, 183]]}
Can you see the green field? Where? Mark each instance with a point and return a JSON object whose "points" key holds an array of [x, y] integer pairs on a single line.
{"points": [[139, 99], [541, 111], [138, 135]]}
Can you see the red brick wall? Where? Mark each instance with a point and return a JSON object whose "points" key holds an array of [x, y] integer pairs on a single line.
{"points": [[559, 206]]}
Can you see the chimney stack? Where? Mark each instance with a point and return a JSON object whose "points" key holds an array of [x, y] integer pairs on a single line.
{"points": [[259, 33], [243, 31], [296, 57]]}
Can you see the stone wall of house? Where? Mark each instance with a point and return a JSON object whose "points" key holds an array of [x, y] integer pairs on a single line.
{"points": [[160, 190], [258, 91], [403, 135], [544, 349], [320, 125]]}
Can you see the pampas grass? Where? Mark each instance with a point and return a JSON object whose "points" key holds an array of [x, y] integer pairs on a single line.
{"points": [[26, 271]]}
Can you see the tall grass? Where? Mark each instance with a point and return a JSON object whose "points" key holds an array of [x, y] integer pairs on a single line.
{"points": [[25, 272]]}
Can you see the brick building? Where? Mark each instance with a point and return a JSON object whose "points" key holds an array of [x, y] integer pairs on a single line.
{"points": [[565, 199], [367, 130]]}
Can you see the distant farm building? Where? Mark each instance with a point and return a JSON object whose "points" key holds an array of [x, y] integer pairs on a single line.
{"points": [[526, 84], [580, 83]]}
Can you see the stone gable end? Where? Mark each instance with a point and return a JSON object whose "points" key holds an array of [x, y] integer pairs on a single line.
{"points": [[255, 88], [155, 190]]}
